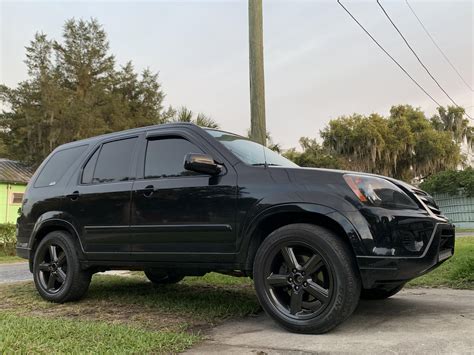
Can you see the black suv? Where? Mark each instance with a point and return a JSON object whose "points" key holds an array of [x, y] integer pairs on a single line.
{"points": [[176, 200]]}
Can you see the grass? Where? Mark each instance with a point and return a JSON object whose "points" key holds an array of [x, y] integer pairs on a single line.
{"points": [[457, 272], [122, 314], [130, 315], [5, 258], [465, 230], [22, 334]]}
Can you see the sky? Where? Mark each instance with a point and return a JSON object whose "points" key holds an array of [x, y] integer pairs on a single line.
{"points": [[319, 64]]}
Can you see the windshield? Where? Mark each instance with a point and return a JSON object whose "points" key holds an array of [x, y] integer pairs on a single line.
{"points": [[250, 152]]}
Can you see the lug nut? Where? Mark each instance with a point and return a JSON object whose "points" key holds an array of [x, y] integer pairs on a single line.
{"points": [[294, 271], [290, 279], [297, 288], [305, 284]]}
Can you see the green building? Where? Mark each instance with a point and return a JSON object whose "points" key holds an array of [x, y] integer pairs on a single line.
{"points": [[13, 179]]}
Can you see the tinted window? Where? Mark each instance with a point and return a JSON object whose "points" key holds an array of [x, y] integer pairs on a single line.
{"points": [[165, 157], [57, 166], [113, 163], [250, 152], [88, 172]]}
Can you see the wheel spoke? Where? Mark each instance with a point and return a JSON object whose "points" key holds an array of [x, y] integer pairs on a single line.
{"points": [[51, 281], [318, 292], [278, 280], [60, 275], [313, 264], [53, 253], [296, 301], [61, 259], [43, 266], [290, 258]]}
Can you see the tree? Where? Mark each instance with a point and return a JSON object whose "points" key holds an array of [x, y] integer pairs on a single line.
{"points": [[75, 91], [314, 155], [404, 145], [451, 182], [452, 120], [184, 114]]}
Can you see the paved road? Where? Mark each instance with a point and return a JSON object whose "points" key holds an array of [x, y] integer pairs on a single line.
{"points": [[421, 321], [14, 272], [19, 272]]}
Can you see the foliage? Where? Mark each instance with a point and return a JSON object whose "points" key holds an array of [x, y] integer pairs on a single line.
{"points": [[457, 272], [452, 120], [450, 182], [184, 114], [75, 91], [7, 239], [314, 155], [403, 145]]}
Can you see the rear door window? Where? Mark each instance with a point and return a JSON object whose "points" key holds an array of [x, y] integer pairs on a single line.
{"points": [[57, 166]]}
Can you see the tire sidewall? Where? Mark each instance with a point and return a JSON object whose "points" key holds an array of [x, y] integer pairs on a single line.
{"points": [[322, 243], [63, 241]]}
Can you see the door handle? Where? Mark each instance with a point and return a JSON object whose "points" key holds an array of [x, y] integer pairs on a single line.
{"points": [[74, 196], [148, 190]]}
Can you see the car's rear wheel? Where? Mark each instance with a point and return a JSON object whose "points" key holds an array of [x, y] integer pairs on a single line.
{"points": [[380, 293], [162, 277], [306, 278], [57, 273]]}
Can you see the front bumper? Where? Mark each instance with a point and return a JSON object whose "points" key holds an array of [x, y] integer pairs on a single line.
{"points": [[382, 270]]}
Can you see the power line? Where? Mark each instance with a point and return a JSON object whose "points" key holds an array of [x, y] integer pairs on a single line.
{"points": [[417, 57], [388, 54], [437, 46]]}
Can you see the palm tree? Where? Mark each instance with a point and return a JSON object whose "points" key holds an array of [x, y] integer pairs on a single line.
{"points": [[183, 114]]}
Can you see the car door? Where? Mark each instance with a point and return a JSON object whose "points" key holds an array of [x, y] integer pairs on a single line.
{"points": [[99, 200], [179, 215]]}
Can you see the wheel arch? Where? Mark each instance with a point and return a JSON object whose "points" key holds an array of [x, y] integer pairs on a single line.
{"points": [[277, 217], [45, 226]]}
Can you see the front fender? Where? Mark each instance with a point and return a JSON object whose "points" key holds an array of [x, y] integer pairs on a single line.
{"points": [[327, 212]]}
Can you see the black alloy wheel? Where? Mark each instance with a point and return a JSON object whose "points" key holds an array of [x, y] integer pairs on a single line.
{"points": [[57, 272], [306, 278], [52, 268], [299, 280]]}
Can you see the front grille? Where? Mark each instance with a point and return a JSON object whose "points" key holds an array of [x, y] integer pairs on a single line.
{"points": [[428, 201]]}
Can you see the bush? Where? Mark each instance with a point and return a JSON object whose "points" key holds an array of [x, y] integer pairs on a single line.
{"points": [[7, 238], [450, 182]]}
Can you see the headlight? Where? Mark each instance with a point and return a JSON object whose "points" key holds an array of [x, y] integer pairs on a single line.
{"points": [[374, 191]]}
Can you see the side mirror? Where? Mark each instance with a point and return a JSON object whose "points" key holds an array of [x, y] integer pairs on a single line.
{"points": [[201, 163]]}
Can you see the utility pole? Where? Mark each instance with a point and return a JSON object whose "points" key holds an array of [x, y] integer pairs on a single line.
{"points": [[258, 131]]}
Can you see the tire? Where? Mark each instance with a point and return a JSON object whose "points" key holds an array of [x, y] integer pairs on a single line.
{"points": [[160, 277], [319, 290], [57, 273], [380, 293]]}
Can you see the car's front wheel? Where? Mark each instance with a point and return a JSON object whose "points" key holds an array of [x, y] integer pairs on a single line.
{"points": [[57, 273], [306, 278]]}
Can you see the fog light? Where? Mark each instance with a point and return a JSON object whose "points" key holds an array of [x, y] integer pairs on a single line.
{"points": [[411, 242]]}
